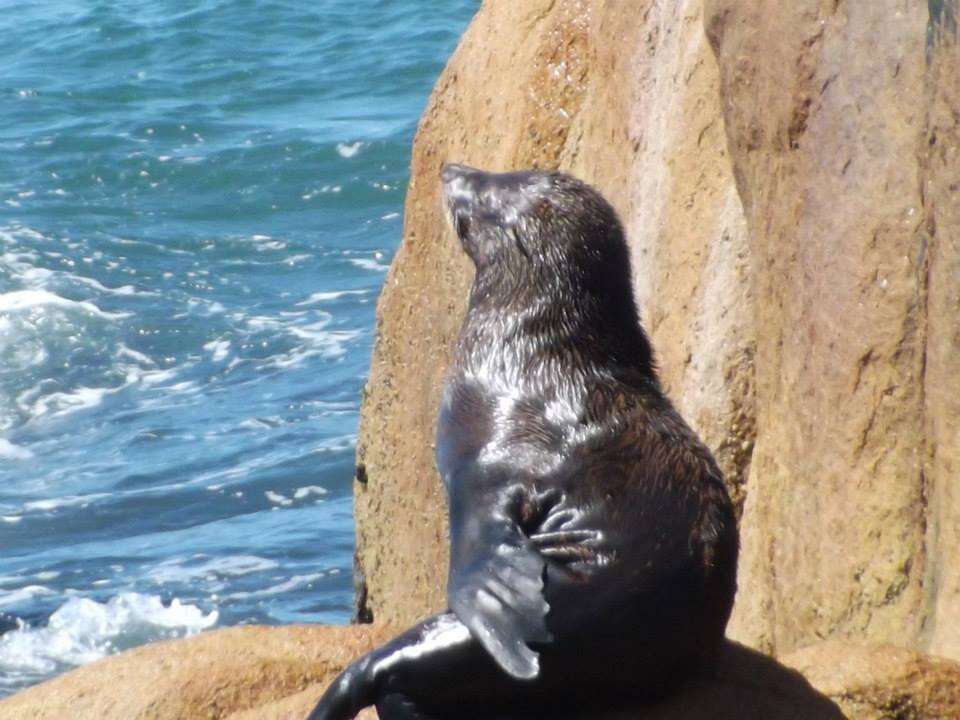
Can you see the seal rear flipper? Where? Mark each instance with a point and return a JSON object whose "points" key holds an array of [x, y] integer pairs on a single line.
{"points": [[499, 597]]}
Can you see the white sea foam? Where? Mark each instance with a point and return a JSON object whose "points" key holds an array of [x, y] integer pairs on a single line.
{"points": [[329, 342], [124, 352], [305, 492], [20, 595], [218, 349], [122, 290], [265, 242], [155, 377], [16, 262], [19, 349], [314, 337], [62, 403], [259, 423], [12, 233], [262, 322], [83, 630], [318, 297], [221, 477], [286, 586], [34, 300], [187, 386], [336, 444], [348, 150], [272, 245], [9, 451], [49, 504], [369, 264], [278, 499], [41, 278], [315, 341], [180, 570]]}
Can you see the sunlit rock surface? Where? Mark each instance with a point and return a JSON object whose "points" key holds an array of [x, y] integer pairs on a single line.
{"points": [[789, 178]]}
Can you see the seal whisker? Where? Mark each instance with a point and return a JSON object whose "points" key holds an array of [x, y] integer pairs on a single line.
{"points": [[558, 520], [565, 537]]}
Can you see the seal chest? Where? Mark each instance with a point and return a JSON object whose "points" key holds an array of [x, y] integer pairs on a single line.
{"points": [[588, 523]]}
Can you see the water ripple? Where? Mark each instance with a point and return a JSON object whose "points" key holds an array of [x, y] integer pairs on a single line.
{"points": [[197, 209]]}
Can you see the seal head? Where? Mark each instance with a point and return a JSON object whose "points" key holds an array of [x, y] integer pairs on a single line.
{"points": [[542, 240]]}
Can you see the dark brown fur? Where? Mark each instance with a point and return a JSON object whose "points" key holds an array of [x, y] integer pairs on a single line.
{"points": [[593, 543]]}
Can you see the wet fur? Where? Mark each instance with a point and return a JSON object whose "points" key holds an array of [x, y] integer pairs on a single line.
{"points": [[593, 543]]}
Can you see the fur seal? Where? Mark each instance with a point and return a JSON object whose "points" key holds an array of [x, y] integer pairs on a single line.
{"points": [[593, 543]]}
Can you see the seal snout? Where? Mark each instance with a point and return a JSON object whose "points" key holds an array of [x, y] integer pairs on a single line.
{"points": [[452, 171], [462, 184], [478, 201]]}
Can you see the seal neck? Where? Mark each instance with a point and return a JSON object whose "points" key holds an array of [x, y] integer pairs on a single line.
{"points": [[543, 332]]}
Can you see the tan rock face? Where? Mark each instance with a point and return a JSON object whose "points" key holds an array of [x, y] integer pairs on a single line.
{"points": [[256, 673], [628, 101], [881, 682], [843, 131], [279, 674], [939, 172], [243, 672], [790, 193]]}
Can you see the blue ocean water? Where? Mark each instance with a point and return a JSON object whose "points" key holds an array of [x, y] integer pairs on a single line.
{"points": [[197, 209]]}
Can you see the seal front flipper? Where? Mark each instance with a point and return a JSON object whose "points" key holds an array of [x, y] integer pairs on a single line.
{"points": [[499, 597], [553, 530], [496, 586]]}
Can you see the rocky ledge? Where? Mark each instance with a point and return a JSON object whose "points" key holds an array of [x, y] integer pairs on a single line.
{"points": [[257, 673]]}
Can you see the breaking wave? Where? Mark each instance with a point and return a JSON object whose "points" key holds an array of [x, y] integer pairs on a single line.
{"points": [[83, 630]]}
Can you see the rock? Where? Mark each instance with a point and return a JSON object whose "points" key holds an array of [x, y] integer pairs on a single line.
{"points": [[242, 672], [630, 102], [842, 125], [882, 682], [790, 192], [258, 673]]}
